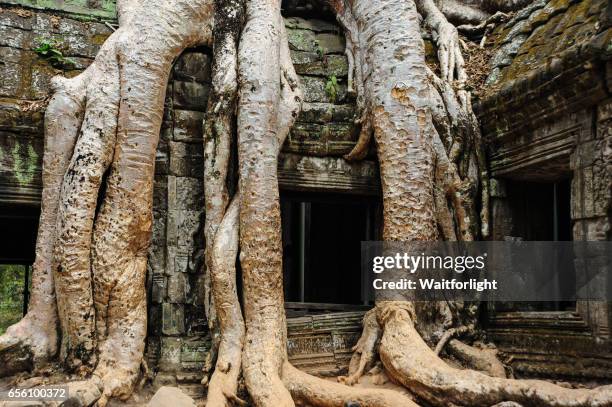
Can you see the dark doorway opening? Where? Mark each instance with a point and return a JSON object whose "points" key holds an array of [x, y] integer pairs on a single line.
{"points": [[541, 211], [18, 228], [322, 237]]}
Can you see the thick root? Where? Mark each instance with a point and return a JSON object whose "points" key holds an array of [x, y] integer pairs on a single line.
{"points": [[318, 392], [34, 339], [218, 139], [262, 125], [364, 352], [223, 384], [408, 360], [78, 200], [123, 225], [481, 359], [72, 173]]}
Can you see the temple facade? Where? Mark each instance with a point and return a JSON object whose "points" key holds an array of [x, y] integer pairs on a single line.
{"points": [[546, 119]]}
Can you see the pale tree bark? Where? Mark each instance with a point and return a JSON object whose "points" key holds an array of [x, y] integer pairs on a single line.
{"points": [[219, 130], [421, 130], [90, 266]]}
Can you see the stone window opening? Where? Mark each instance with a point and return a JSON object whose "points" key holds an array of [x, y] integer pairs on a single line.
{"points": [[540, 211], [322, 235]]}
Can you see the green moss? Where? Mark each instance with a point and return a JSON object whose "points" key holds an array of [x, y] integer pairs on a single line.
{"points": [[24, 167]]}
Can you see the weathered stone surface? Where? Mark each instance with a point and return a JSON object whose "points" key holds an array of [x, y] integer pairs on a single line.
{"points": [[171, 396], [173, 319], [188, 126], [541, 31], [190, 95], [193, 65], [84, 9], [314, 89], [186, 159], [194, 350], [177, 288], [309, 63], [189, 194], [309, 41], [317, 112], [311, 24], [331, 43]]}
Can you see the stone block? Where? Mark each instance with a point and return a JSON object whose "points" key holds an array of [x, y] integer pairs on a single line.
{"points": [[171, 396], [331, 43], [158, 289], [181, 263], [178, 286], [188, 126], [173, 319], [11, 84], [318, 43], [186, 159], [189, 194], [193, 66], [195, 349], [314, 89], [326, 132], [190, 225], [301, 40], [586, 154], [170, 354], [309, 63], [15, 38], [21, 19], [190, 95]]}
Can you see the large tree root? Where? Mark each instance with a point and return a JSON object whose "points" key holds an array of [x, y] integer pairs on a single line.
{"points": [[319, 392], [481, 359], [409, 360], [223, 384], [98, 265], [34, 339], [364, 352]]}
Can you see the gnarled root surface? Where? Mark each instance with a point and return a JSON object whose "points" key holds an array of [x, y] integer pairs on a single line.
{"points": [[34, 339], [408, 359], [91, 262]]}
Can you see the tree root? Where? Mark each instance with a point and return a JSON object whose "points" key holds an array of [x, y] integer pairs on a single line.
{"points": [[224, 381], [408, 360], [364, 352], [481, 359], [322, 393], [34, 340], [98, 265]]}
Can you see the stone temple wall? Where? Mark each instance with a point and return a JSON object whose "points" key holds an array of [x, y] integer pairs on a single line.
{"points": [[24, 84]]}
